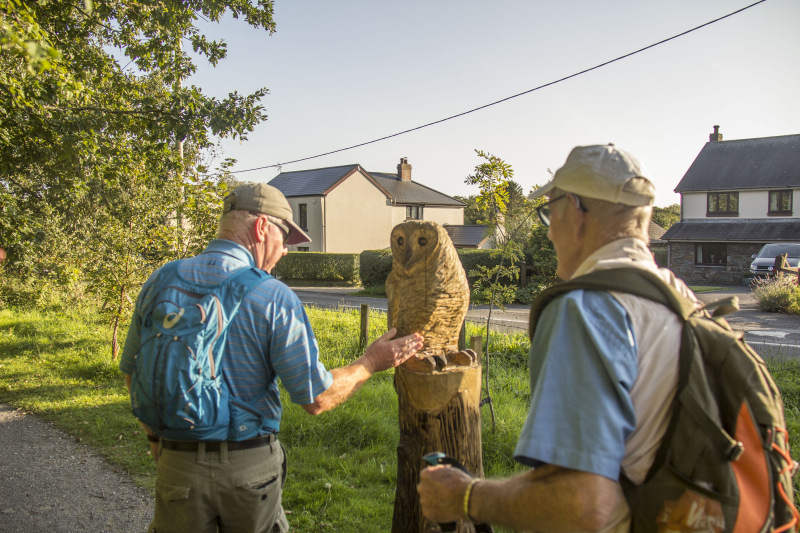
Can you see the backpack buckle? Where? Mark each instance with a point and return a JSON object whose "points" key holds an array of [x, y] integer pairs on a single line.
{"points": [[736, 451]]}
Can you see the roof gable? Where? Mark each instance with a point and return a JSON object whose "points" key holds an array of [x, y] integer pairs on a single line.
{"points": [[763, 163], [316, 182], [321, 181]]}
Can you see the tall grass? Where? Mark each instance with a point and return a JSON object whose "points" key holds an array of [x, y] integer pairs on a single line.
{"points": [[779, 294], [342, 464]]}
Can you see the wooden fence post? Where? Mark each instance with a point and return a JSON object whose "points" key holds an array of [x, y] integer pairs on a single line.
{"points": [[462, 336], [364, 325], [476, 343]]}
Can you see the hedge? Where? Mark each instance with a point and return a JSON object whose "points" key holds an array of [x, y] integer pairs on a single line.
{"points": [[318, 266], [374, 266]]}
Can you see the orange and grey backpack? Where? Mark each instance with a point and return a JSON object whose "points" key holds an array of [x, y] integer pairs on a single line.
{"points": [[724, 463]]}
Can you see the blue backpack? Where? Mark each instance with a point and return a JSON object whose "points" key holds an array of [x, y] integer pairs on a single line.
{"points": [[177, 386]]}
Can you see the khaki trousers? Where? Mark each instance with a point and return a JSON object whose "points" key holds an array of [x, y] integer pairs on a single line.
{"points": [[226, 491]]}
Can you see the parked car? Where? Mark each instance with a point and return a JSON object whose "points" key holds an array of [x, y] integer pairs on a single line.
{"points": [[764, 261]]}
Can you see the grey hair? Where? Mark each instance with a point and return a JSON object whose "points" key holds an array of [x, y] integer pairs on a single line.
{"points": [[236, 222]]}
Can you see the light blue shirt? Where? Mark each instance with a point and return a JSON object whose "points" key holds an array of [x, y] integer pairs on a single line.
{"points": [[582, 363], [270, 337]]}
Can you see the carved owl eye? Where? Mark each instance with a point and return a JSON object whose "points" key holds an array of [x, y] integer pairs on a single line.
{"points": [[400, 241], [422, 241]]}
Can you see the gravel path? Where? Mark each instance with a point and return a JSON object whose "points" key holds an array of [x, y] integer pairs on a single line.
{"points": [[50, 483]]}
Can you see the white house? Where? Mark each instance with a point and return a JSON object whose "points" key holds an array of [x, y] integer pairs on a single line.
{"points": [[346, 209], [736, 197]]}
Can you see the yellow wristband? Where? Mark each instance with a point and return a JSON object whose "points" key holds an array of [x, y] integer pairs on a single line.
{"points": [[466, 498]]}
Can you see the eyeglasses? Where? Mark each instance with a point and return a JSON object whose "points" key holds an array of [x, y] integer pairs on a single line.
{"points": [[283, 227], [544, 210]]}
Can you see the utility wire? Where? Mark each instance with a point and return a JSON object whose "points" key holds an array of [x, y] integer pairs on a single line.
{"points": [[278, 165]]}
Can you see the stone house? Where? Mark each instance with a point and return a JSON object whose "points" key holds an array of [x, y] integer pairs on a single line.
{"points": [[347, 209], [736, 196]]}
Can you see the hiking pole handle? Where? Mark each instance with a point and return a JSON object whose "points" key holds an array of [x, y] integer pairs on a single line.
{"points": [[438, 458]]}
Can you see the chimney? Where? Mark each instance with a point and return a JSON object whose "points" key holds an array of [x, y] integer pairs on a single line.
{"points": [[716, 136], [404, 170]]}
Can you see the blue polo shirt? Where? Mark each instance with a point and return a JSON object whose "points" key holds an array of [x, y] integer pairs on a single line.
{"points": [[270, 337], [583, 363]]}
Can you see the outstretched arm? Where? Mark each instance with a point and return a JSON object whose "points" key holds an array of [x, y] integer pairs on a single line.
{"points": [[381, 355]]}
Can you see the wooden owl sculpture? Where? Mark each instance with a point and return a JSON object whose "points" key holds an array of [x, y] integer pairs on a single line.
{"points": [[427, 291]]}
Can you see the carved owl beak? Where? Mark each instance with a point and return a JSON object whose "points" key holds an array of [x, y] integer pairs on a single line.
{"points": [[408, 254]]}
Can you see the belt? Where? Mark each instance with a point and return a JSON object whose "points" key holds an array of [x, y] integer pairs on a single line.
{"points": [[256, 442]]}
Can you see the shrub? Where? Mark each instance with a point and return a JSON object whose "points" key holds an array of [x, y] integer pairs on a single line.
{"points": [[780, 294], [375, 266], [318, 266], [660, 256]]}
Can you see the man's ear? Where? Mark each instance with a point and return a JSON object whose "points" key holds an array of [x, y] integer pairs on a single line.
{"points": [[580, 216], [260, 229]]}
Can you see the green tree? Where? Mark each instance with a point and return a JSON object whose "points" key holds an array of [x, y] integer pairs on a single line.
{"points": [[496, 285], [91, 183], [667, 216], [472, 214]]}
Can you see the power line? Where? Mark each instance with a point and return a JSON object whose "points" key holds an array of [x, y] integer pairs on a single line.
{"points": [[451, 117]]}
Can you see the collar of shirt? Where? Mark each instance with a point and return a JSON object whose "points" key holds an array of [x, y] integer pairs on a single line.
{"points": [[233, 249]]}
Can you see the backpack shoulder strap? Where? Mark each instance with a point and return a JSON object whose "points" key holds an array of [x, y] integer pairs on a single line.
{"points": [[626, 280]]}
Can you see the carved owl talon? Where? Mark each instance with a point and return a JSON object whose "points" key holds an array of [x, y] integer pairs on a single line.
{"points": [[463, 358], [420, 364]]}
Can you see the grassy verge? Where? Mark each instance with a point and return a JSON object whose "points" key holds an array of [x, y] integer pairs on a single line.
{"points": [[342, 465]]}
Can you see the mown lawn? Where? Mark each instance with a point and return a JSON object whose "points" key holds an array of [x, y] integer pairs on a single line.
{"points": [[342, 464]]}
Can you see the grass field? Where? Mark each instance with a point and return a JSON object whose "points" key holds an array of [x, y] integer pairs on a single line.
{"points": [[342, 464]]}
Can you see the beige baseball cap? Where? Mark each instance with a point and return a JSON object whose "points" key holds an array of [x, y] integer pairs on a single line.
{"points": [[603, 172], [266, 199]]}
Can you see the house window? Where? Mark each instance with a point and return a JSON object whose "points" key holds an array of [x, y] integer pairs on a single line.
{"points": [[302, 213], [302, 248], [414, 211], [780, 203], [711, 254], [723, 204]]}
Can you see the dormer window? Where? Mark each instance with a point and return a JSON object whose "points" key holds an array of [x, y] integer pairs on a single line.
{"points": [[723, 204], [780, 203], [414, 212]]}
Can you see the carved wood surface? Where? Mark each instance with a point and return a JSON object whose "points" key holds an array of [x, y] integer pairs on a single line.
{"points": [[438, 412]]}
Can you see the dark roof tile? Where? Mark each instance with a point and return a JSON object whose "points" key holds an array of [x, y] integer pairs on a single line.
{"points": [[319, 181], [749, 230], [763, 163], [466, 235]]}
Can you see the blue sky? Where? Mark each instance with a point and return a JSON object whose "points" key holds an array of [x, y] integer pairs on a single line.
{"points": [[346, 72]]}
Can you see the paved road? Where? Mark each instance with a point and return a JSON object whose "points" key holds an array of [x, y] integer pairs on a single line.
{"points": [[770, 334]]}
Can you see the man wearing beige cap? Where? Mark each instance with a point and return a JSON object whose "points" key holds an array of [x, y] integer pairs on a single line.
{"points": [[236, 485], [603, 367]]}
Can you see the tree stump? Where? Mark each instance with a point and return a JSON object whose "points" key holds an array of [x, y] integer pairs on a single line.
{"points": [[438, 412]]}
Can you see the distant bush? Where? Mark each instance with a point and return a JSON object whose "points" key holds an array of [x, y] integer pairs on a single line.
{"points": [[660, 256], [318, 266], [778, 295], [375, 266]]}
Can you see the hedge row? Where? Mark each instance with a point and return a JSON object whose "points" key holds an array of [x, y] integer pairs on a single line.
{"points": [[372, 267], [318, 266]]}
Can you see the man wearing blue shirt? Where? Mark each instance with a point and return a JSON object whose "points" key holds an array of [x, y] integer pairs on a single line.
{"points": [[603, 367], [236, 486]]}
